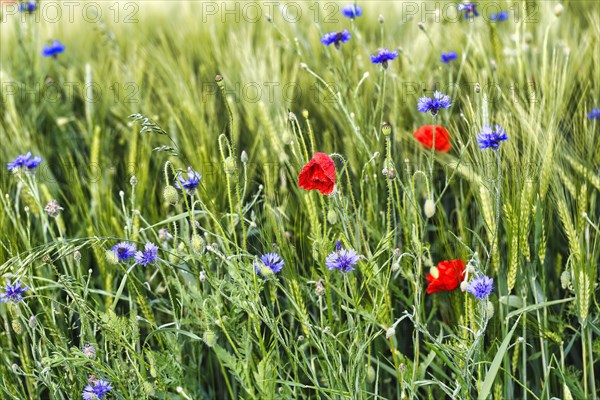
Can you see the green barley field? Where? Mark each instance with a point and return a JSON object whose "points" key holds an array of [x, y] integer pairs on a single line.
{"points": [[299, 200]]}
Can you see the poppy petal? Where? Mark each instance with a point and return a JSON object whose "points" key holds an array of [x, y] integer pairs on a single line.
{"points": [[442, 138]]}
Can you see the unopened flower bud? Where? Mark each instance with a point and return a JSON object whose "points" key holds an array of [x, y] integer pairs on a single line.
{"points": [[244, 157], [197, 243], [230, 165], [202, 276], [319, 288], [33, 322], [133, 181], [17, 327], [210, 338], [111, 257], [391, 331], [429, 208], [381, 20], [435, 272], [386, 129], [332, 217], [395, 267], [558, 9], [219, 81], [477, 87], [463, 286], [490, 309], [565, 279], [77, 256], [170, 195], [370, 374], [305, 114]]}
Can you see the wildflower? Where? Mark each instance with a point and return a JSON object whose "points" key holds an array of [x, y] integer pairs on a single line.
{"points": [[53, 209], [124, 250], [319, 288], [491, 138], [89, 351], [53, 50], [271, 263], [24, 161], [433, 105], [481, 287], [336, 38], [595, 113], [318, 174], [96, 390], [13, 292], [351, 11], [164, 235], [383, 56], [191, 183], [147, 256], [28, 7], [447, 57], [425, 136], [469, 9], [446, 276], [341, 259], [498, 17]]}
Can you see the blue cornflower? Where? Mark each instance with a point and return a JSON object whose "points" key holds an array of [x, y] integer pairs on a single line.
{"points": [[341, 259], [491, 138], [28, 7], [433, 105], [191, 183], [595, 113], [24, 161], [271, 263], [147, 256], [54, 49], [447, 57], [481, 287], [498, 17], [351, 11], [469, 9], [336, 38], [383, 56], [124, 250], [96, 390], [13, 292]]}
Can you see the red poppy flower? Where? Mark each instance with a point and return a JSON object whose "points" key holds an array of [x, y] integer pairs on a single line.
{"points": [[449, 276], [442, 138], [318, 174]]}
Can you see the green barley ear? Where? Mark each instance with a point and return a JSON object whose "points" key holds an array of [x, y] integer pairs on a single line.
{"points": [[583, 296], [300, 306]]}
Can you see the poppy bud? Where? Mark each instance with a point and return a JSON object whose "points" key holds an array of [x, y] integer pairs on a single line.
{"points": [[197, 243], [435, 273], [111, 257], [391, 331], [429, 208], [370, 374], [170, 195], [331, 217], [230, 165], [244, 157], [558, 9], [305, 114], [17, 327], [210, 338]]}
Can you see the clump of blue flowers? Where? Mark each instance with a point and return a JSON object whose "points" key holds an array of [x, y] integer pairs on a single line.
{"points": [[447, 57], [498, 17], [96, 390], [481, 287], [336, 38], [341, 259], [470, 9], [53, 49], [191, 183], [124, 250], [434, 104], [490, 138], [383, 57], [149, 255], [595, 113], [24, 161], [13, 292], [351, 11], [271, 263], [27, 7]]}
